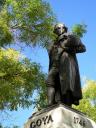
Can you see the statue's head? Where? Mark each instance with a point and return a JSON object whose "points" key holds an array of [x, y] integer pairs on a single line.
{"points": [[60, 29]]}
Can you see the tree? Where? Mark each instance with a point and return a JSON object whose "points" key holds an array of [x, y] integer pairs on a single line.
{"points": [[79, 29], [88, 103], [28, 21], [19, 78]]}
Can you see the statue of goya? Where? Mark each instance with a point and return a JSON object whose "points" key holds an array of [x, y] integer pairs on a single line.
{"points": [[63, 81]]}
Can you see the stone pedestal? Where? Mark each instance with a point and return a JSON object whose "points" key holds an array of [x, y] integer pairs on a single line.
{"points": [[59, 116]]}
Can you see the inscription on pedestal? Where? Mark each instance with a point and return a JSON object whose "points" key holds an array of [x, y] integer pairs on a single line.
{"points": [[80, 121], [42, 121], [59, 117]]}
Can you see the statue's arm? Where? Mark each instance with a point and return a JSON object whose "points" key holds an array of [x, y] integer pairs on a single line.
{"points": [[75, 44], [80, 46]]}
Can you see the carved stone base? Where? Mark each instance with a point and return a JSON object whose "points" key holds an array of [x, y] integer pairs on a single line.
{"points": [[59, 116]]}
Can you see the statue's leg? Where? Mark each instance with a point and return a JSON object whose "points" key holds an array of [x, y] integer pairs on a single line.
{"points": [[58, 90], [50, 82], [51, 95]]}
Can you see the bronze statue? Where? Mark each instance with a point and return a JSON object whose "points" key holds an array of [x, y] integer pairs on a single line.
{"points": [[63, 82]]}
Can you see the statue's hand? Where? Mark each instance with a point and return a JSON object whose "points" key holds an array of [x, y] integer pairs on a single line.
{"points": [[80, 49]]}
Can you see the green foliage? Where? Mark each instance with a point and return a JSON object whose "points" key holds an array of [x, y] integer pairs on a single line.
{"points": [[79, 29], [88, 103], [90, 91], [27, 21], [30, 22], [2, 2], [5, 33], [19, 77]]}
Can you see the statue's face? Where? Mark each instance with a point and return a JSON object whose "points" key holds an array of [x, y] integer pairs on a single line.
{"points": [[59, 29]]}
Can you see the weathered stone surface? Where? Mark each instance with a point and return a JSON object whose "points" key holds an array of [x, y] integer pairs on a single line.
{"points": [[59, 116]]}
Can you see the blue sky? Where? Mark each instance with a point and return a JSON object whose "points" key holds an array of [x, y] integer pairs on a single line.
{"points": [[69, 12]]}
